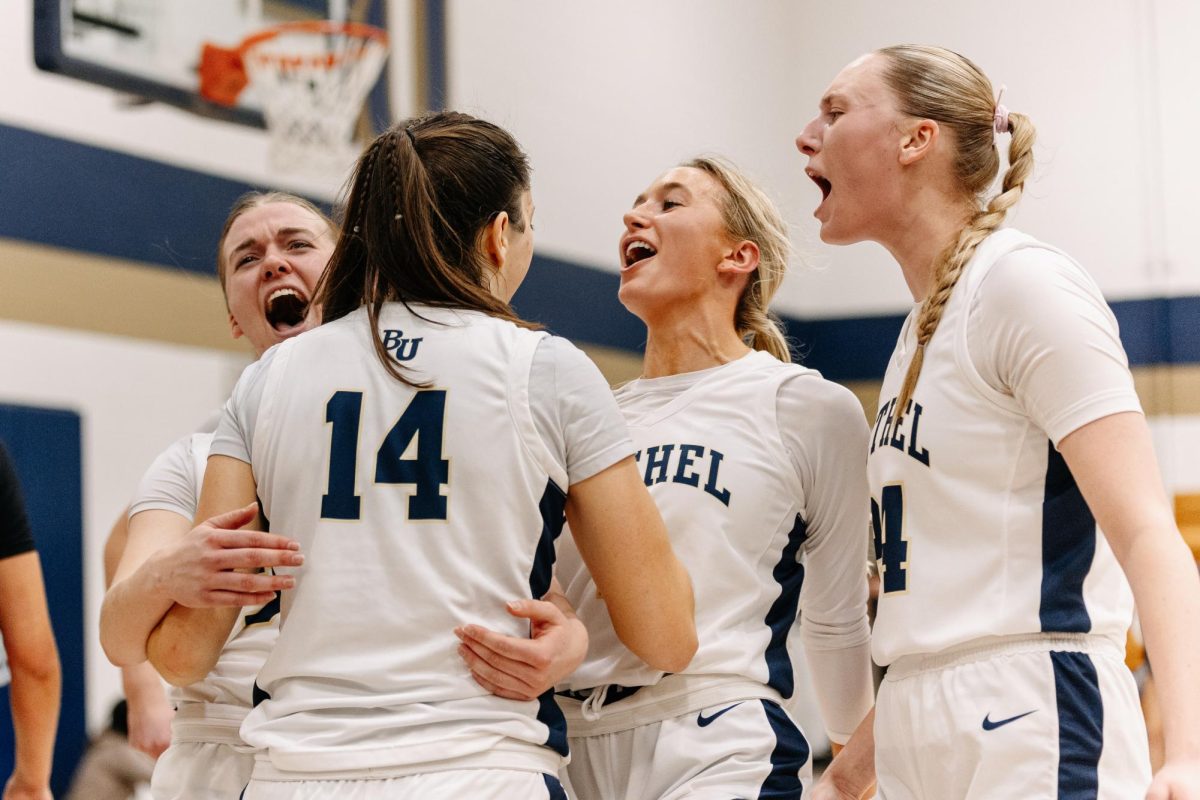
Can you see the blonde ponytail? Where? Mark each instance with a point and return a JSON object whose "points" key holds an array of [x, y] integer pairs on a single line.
{"points": [[938, 84]]}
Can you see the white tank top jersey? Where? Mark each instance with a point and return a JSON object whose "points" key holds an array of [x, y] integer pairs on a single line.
{"points": [[980, 530], [745, 525], [418, 510], [172, 483]]}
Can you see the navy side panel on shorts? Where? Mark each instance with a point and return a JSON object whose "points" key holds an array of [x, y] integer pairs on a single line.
{"points": [[1068, 547], [552, 507], [789, 574], [787, 759], [1080, 725], [554, 788]]}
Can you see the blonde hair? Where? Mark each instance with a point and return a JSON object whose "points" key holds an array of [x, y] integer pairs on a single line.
{"points": [[749, 214], [941, 85]]}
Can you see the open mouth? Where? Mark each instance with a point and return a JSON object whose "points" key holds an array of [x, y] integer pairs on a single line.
{"points": [[637, 251], [824, 185], [286, 308]]}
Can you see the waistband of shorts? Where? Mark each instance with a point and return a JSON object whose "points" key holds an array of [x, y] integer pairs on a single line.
{"points": [[672, 696], [214, 723], [991, 646], [267, 766]]}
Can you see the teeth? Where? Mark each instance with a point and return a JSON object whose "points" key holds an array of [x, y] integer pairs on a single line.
{"points": [[636, 245], [278, 293]]}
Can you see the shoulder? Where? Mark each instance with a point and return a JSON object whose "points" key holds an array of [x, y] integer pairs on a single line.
{"points": [[806, 398]]}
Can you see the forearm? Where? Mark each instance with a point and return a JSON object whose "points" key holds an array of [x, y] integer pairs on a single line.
{"points": [[1167, 592], [185, 645], [839, 660], [132, 608], [35, 697]]}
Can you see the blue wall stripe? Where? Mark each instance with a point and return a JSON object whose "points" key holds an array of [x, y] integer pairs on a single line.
{"points": [[436, 85], [45, 446], [1080, 725], [79, 197], [1068, 548]]}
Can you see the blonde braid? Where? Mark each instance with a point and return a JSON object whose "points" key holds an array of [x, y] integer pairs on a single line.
{"points": [[954, 259]]}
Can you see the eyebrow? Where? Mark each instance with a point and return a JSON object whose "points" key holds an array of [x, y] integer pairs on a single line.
{"points": [[831, 98], [664, 189], [282, 233]]}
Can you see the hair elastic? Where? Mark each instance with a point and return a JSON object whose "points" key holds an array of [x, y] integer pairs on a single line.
{"points": [[411, 138], [1000, 116]]}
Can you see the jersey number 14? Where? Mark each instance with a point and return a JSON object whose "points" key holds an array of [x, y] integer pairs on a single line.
{"points": [[423, 419], [891, 548]]}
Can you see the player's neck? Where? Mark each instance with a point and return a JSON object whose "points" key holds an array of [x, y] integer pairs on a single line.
{"points": [[922, 238], [690, 346]]}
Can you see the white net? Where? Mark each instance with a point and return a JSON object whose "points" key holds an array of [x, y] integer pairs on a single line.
{"points": [[312, 84]]}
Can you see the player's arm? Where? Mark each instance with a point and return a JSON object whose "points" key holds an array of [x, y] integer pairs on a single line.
{"points": [[624, 543], [1112, 460], [150, 712], [851, 775], [186, 643], [36, 675], [825, 433], [523, 668]]}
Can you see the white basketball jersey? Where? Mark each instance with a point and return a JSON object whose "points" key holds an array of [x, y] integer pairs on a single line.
{"points": [[720, 475], [232, 678], [979, 527], [418, 510]]}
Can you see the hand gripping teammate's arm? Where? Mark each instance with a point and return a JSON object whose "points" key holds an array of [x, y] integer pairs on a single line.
{"points": [[524, 668], [166, 562], [185, 644]]}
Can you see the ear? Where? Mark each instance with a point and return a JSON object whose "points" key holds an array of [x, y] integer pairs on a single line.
{"points": [[495, 240], [742, 259], [234, 329], [919, 141]]}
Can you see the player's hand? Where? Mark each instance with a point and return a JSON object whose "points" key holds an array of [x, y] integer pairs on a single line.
{"points": [[201, 570], [523, 669], [1179, 779], [16, 789], [150, 723]]}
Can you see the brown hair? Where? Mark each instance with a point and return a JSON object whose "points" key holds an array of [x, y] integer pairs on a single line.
{"points": [[253, 200], [419, 199], [941, 85], [750, 215]]}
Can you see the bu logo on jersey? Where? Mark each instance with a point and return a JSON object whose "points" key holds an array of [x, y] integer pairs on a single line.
{"points": [[892, 432], [683, 464], [404, 349]]}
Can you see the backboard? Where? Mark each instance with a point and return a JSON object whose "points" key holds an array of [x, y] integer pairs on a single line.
{"points": [[150, 49]]}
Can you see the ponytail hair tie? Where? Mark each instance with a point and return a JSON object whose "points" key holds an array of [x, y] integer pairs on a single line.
{"points": [[1000, 116]]}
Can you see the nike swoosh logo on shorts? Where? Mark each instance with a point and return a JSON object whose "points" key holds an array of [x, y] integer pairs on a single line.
{"points": [[704, 721], [988, 725]]}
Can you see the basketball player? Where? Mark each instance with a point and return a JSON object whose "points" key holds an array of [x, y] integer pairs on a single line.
{"points": [[1008, 430], [271, 253], [423, 445], [756, 465]]}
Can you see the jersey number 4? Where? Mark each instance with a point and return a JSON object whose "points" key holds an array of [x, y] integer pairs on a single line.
{"points": [[891, 548], [423, 419]]}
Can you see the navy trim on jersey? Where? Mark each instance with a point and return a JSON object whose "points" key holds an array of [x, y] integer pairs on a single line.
{"points": [[258, 695], [1068, 548], [552, 507], [789, 574], [1080, 725], [787, 759], [554, 787]]}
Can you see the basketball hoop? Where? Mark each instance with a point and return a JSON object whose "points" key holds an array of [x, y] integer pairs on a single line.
{"points": [[311, 78]]}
